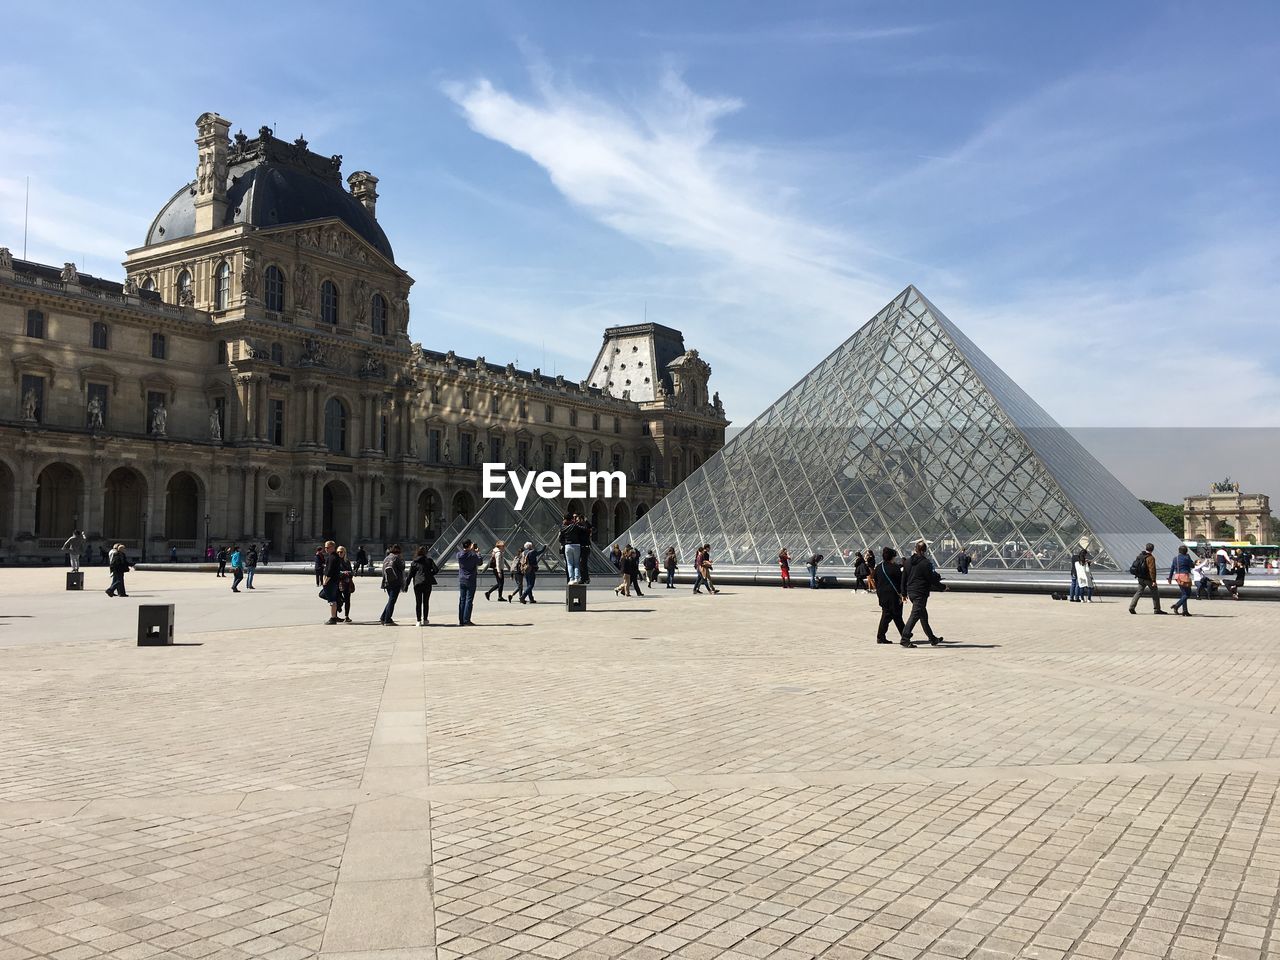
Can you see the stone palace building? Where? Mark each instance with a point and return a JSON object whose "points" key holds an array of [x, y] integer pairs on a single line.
{"points": [[253, 378]]}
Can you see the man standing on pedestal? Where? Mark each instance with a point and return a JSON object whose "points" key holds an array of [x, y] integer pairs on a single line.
{"points": [[75, 548]]}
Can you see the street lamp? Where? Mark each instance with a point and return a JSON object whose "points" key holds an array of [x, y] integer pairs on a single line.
{"points": [[206, 535], [144, 535], [293, 519]]}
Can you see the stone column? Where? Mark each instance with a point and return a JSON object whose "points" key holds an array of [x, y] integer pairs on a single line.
{"points": [[317, 503], [24, 496], [95, 495], [155, 526]]}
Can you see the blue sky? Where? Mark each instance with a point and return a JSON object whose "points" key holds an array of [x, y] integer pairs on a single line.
{"points": [[1088, 189]]}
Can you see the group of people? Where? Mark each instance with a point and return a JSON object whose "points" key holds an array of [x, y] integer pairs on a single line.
{"points": [[523, 567], [337, 582], [629, 563], [895, 582], [1191, 574], [243, 563]]}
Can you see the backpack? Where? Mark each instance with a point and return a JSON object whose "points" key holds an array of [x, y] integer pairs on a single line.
{"points": [[1139, 567]]}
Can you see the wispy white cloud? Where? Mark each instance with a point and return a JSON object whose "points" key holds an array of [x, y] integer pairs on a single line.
{"points": [[802, 32]]}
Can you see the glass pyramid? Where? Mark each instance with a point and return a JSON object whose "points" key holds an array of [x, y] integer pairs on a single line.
{"points": [[906, 431]]}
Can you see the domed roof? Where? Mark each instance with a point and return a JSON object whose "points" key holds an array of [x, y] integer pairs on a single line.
{"points": [[270, 183]]}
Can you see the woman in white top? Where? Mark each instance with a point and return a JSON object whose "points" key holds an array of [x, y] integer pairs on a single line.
{"points": [[1084, 576], [499, 564]]}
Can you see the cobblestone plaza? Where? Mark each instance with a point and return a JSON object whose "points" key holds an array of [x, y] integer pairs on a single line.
{"points": [[743, 776]]}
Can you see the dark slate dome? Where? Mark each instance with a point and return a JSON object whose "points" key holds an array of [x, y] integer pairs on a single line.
{"points": [[270, 183]]}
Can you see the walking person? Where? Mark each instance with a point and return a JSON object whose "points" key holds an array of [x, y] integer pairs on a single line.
{"points": [[1180, 571], [615, 557], [698, 581], [669, 562], [964, 561], [651, 568], [812, 567], [1144, 568], [250, 566], [321, 561], [631, 568], [422, 574], [362, 561], [529, 567], [393, 581], [468, 563], [784, 568], [330, 578], [860, 572], [919, 579], [74, 546], [237, 568], [705, 568], [346, 585], [499, 564], [887, 577], [119, 565], [223, 556]]}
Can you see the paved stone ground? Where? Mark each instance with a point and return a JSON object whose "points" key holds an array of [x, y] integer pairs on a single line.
{"points": [[741, 776]]}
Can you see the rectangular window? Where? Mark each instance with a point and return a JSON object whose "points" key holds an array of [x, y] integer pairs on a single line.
{"points": [[522, 453], [616, 461], [159, 349], [466, 448], [155, 398], [220, 355], [383, 431], [466, 399], [32, 398], [433, 446], [100, 336], [548, 456], [97, 405], [595, 421], [644, 428], [617, 425], [571, 455], [275, 421], [35, 324], [646, 468], [573, 418], [493, 403], [595, 459], [524, 410], [495, 449], [549, 415]]}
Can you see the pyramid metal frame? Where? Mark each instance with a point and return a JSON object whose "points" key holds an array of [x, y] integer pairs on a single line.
{"points": [[906, 431]]}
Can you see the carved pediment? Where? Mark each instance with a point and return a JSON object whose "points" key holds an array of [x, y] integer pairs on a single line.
{"points": [[99, 373], [32, 363], [160, 383]]}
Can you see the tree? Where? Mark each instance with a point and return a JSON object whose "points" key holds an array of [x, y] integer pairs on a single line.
{"points": [[1170, 514], [1224, 531]]}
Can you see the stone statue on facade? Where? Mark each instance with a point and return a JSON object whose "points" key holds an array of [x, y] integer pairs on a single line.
{"points": [[186, 298], [481, 456], [30, 406], [448, 453], [6, 259], [94, 411], [215, 426], [312, 353], [130, 287], [69, 273], [159, 420], [653, 478], [249, 277], [401, 308], [1225, 486], [360, 299], [302, 287]]}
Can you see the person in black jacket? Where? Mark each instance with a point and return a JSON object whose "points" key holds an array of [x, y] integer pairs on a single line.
{"points": [[888, 577], [919, 579], [119, 566]]}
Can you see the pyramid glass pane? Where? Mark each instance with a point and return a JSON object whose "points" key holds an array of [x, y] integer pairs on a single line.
{"points": [[907, 430]]}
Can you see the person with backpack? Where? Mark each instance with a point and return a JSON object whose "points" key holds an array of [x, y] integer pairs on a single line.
{"points": [[498, 565], [669, 561], [392, 582], [919, 579], [651, 568], [422, 574], [237, 567], [887, 577], [529, 558], [250, 566], [468, 563], [1144, 568]]}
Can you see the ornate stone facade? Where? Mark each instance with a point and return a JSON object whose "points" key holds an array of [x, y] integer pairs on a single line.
{"points": [[253, 378], [1248, 513]]}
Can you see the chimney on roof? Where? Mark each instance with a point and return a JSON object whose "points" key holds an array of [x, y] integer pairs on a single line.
{"points": [[364, 187], [211, 171]]}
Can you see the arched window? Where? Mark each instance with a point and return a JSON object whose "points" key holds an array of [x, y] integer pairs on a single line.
{"points": [[222, 286], [335, 426], [378, 315], [277, 353], [273, 289], [183, 285], [329, 302], [149, 285]]}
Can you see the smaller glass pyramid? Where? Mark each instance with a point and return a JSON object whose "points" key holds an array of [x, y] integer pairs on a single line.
{"points": [[906, 431]]}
